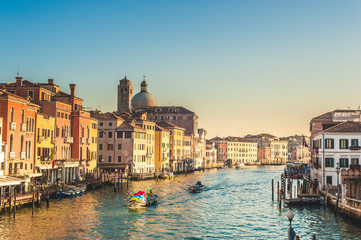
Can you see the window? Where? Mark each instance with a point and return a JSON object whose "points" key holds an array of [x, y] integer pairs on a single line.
{"points": [[100, 134], [31, 94], [12, 112], [343, 143], [110, 124], [100, 124], [354, 142], [354, 161], [110, 134], [119, 158], [119, 146], [329, 143], [110, 146], [128, 134], [100, 146], [109, 158], [100, 158], [329, 162], [119, 134], [344, 162], [329, 180]]}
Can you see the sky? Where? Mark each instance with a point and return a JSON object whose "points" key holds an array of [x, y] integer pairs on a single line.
{"points": [[244, 67]]}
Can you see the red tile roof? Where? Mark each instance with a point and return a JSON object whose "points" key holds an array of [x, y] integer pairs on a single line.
{"points": [[345, 127]]}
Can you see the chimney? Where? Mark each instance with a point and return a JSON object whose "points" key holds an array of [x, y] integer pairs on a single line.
{"points": [[19, 81], [72, 89], [50, 81]]}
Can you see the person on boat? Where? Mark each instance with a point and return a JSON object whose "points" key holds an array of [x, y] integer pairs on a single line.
{"points": [[199, 183]]}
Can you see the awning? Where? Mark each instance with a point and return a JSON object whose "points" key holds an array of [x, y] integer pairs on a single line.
{"points": [[10, 181], [45, 167], [34, 175]]}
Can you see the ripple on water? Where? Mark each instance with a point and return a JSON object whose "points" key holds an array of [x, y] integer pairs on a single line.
{"points": [[236, 204]]}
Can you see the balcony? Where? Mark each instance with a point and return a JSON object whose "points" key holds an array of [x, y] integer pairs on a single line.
{"points": [[353, 167], [23, 155], [82, 140], [13, 126], [69, 140], [41, 138], [89, 140], [23, 127], [355, 147], [12, 155]]}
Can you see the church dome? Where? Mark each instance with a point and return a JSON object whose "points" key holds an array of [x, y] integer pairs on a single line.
{"points": [[143, 98]]}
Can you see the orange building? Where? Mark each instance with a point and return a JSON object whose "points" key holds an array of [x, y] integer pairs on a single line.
{"points": [[72, 136], [19, 116]]}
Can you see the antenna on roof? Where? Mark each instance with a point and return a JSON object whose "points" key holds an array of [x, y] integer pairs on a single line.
{"points": [[18, 73], [144, 78]]}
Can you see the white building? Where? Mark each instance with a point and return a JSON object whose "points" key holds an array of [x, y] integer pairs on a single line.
{"points": [[241, 150], [339, 144]]}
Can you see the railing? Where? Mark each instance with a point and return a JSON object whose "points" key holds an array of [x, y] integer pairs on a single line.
{"points": [[89, 140], [23, 155], [13, 126], [352, 202], [70, 140], [82, 140], [355, 147], [23, 127], [41, 138], [12, 155]]}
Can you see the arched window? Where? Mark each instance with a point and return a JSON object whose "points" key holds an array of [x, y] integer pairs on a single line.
{"points": [[21, 144], [12, 113], [22, 116], [28, 157], [27, 124], [11, 143], [81, 153]]}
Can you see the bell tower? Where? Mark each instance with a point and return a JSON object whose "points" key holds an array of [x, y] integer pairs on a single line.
{"points": [[125, 95]]}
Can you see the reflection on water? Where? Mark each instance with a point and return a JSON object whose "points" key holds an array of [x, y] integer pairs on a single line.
{"points": [[236, 204]]}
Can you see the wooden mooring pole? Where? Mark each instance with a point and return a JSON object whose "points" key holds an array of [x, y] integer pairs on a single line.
{"points": [[278, 191], [14, 203], [325, 204], [10, 198], [115, 182], [272, 191], [290, 189], [33, 188], [121, 180]]}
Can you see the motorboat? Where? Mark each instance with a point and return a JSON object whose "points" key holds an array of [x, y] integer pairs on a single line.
{"points": [[142, 199], [196, 188]]}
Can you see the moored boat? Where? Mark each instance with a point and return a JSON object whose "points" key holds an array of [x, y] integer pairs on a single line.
{"points": [[71, 190]]}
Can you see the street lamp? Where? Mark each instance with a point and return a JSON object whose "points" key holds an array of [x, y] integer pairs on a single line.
{"points": [[291, 232], [338, 173]]}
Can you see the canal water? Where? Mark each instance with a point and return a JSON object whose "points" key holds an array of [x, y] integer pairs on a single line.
{"points": [[237, 204]]}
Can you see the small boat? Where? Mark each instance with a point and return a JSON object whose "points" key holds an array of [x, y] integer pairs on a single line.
{"points": [[71, 190], [142, 199], [167, 175], [119, 181], [305, 199], [196, 188]]}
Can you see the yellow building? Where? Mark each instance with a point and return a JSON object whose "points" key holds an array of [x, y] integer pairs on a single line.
{"points": [[176, 150], [45, 147], [91, 163], [161, 148]]}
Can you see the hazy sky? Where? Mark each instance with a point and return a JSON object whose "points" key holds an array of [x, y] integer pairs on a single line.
{"points": [[242, 66]]}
